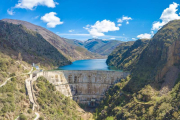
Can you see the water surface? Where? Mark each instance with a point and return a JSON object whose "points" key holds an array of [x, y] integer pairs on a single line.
{"points": [[92, 64]]}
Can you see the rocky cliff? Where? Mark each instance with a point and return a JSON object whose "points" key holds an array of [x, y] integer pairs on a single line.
{"points": [[159, 57]]}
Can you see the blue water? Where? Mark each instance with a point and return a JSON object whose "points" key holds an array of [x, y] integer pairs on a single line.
{"points": [[93, 64]]}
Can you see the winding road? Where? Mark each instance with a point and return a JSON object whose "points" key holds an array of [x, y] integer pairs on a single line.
{"points": [[37, 116], [16, 76]]}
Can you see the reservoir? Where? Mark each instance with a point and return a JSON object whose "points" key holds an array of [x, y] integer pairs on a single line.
{"points": [[91, 64]]}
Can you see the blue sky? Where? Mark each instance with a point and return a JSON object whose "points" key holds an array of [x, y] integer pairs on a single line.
{"points": [[84, 19]]}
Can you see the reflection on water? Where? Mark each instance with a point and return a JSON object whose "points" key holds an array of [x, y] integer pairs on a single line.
{"points": [[93, 64]]}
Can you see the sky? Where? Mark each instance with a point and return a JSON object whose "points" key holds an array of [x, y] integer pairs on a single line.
{"points": [[124, 20]]}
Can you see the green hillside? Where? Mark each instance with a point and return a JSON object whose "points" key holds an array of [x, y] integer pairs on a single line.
{"points": [[64, 47], [127, 54], [16, 39], [19, 48], [152, 90], [158, 58]]}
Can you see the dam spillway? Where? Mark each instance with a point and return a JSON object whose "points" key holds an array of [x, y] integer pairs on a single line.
{"points": [[82, 86]]}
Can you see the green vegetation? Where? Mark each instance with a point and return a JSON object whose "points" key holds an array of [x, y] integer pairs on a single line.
{"points": [[65, 48], [24, 44], [136, 97], [146, 104], [52, 103], [139, 97], [149, 60], [19, 44], [9, 67], [13, 101], [127, 54], [156, 58], [22, 117]]}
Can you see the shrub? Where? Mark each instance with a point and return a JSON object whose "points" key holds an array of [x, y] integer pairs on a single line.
{"points": [[109, 118], [29, 111], [41, 118], [12, 74], [4, 109], [22, 117], [13, 79], [22, 90]]}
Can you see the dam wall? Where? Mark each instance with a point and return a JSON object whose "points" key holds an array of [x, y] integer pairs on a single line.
{"points": [[82, 86]]}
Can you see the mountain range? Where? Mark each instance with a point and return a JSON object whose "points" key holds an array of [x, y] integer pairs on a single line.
{"points": [[98, 46], [71, 52]]}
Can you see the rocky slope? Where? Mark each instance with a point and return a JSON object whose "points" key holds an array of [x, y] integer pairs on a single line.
{"points": [[18, 41], [153, 89], [159, 57], [98, 46], [59, 43], [150, 61]]}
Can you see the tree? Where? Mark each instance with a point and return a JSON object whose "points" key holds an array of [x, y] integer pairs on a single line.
{"points": [[22, 117]]}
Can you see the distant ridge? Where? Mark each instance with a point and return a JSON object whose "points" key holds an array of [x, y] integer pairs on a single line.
{"points": [[99, 46]]}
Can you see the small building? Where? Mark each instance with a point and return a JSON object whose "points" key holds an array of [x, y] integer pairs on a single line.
{"points": [[35, 66]]}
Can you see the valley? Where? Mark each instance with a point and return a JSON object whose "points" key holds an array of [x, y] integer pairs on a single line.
{"points": [[29, 53], [59, 78]]}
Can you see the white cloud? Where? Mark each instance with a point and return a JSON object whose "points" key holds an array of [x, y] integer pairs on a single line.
{"points": [[51, 19], [133, 38], [168, 14], [119, 25], [72, 34], [144, 36], [99, 28], [120, 21], [124, 18], [31, 4], [71, 30], [10, 12], [36, 17], [112, 38]]}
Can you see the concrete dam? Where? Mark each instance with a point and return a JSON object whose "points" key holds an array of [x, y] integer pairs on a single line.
{"points": [[85, 87]]}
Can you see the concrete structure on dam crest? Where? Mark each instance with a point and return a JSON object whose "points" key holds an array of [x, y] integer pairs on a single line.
{"points": [[86, 87]]}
